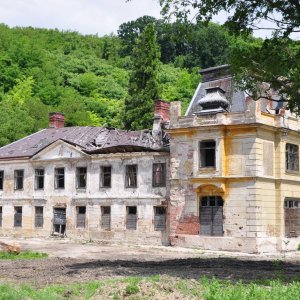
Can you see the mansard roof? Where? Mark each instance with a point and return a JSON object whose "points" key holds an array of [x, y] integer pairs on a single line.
{"points": [[89, 139]]}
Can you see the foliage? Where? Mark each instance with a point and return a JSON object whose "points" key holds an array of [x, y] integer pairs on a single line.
{"points": [[274, 60], [22, 255], [143, 86]]}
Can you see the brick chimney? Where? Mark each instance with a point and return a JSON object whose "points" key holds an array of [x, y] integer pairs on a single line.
{"points": [[162, 109], [56, 120]]}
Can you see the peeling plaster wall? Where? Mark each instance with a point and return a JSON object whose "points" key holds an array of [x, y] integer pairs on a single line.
{"points": [[145, 197]]}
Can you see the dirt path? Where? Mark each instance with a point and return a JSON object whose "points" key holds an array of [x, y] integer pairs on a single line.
{"points": [[75, 262]]}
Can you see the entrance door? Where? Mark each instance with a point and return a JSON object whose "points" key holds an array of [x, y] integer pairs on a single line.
{"points": [[59, 221], [211, 216]]}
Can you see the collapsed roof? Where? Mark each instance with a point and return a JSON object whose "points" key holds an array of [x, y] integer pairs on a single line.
{"points": [[91, 140]]}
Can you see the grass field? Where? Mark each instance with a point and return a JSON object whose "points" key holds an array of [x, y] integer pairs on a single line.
{"points": [[156, 287]]}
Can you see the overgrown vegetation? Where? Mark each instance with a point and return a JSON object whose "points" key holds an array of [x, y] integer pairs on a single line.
{"points": [[156, 287], [22, 255]]}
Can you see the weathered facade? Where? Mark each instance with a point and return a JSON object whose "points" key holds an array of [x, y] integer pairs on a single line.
{"points": [[224, 177], [234, 170], [87, 182]]}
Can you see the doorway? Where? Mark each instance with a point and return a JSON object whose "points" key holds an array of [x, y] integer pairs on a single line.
{"points": [[211, 216], [59, 221]]}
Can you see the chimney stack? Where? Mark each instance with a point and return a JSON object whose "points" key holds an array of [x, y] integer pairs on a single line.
{"points": [[162, 109], [56, 120]]}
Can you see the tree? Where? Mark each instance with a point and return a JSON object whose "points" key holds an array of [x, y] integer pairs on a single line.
{"points": [[143, 85], [275, 60]]}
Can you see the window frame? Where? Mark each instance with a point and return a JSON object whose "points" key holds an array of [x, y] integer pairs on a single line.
{"points": [[1, 180], [37, 177], [56, 178], [16, 180], [129, 173], [131, 222], [78, 221], [291, 157], [18, 214], [78, 178], [104, 173], [159, 177], [201, 154], [157, 226], [105, 215], [1, 216], [36, 215]]}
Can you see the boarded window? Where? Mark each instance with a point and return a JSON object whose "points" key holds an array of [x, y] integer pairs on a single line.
{"points": [[39, 216], [81, 212], [292, 157], [159, 174], [131, 176], [0, 216], [18, 216], [292, 217], [39, 179], [159, 218], [1, 179], [81, 177], [131, 217], [211, 216], [59, 178], [105, 176], [19, 179], [208, 154], [105, 217]]}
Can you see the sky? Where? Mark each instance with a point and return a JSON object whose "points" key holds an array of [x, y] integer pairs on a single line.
{"points": [[85, 16]]}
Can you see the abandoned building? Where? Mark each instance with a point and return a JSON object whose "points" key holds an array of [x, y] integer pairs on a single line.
{"points": [[225, 176]]}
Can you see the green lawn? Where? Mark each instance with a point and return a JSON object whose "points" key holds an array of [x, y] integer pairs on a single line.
{"points": [[22, 255], [155, 287]]}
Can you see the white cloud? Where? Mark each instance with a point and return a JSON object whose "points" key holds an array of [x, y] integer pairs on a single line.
{"points": [[85, 16]]}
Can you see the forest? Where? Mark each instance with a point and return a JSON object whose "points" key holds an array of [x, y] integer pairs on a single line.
{"points": [[90, 78]]}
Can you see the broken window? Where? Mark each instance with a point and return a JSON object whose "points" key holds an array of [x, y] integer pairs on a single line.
{"points": [[0, 216], [59, 180], [208, 154], [105, 176], [292, 157], [105, 217], [81, 212], [159, 174], [18, 216], [292, 217], [19, 179], [211, 216], [131, 176], [39, 179], [131, 217], [1, 179], [39, 216], [81, 177], [159, 218]]}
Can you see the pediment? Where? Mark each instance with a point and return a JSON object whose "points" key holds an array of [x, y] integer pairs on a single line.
{"points": [[59, 150]]}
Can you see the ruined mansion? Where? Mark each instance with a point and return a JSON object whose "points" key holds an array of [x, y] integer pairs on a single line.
{"points": [[225, 176]]}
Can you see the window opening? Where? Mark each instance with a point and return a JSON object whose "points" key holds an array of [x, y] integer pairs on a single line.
{"points": [[0, 216], [81, 213], [59, 182], [19, 179], [39, 216], [105, 176], [106, 217], [159, 218], [18, 216], [159, 174], [207, 154], [1, 179], [131, 217], [131, 176], [292, 157], [292, 217], [39, 179], [59, 221], [81, 177]]}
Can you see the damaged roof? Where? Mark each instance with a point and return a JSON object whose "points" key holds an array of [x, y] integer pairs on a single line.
{"points": [[89, 139]]}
